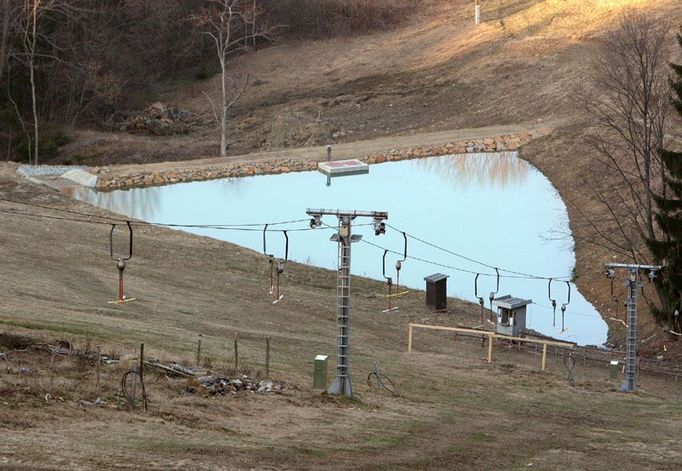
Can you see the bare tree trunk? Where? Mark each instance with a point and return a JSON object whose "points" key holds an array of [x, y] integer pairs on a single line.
{"points": [[9, 144], [226, 22], [648, 151], [21, 121], [253, 30], [4, 35], [223, 109], [648, 199], [31, 68]]}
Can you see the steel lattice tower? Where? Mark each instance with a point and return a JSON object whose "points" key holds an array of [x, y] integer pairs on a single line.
{"points": [[633, 284], [342, 384]]}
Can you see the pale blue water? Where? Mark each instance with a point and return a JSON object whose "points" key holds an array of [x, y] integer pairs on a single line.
{"points": [[495, 208]]}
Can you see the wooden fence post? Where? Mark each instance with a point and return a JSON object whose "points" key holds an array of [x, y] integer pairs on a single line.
{"points": [[409, 337], [267, 357], [236, 351], [490, 348], [544, 356], [144, 391], [199, 351], [51, 367], [99, 362]]}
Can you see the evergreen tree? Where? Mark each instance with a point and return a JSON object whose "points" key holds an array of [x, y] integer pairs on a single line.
{"points": [[668, 250]]}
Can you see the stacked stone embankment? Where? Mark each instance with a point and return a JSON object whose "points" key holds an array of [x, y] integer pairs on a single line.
{"points": [[107, 182]]}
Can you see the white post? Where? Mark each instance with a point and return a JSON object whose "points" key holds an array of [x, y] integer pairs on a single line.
{"points": [[477, 13]]}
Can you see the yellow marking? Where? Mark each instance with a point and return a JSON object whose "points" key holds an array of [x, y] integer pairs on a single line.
{"points": [[126, 300], [395, 294]]}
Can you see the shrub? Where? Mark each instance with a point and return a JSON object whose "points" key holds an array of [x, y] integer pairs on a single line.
{"points": [[51, 141]]}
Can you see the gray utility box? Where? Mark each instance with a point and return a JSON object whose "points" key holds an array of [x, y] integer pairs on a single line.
{"points": [[511, 315], [320, 372], [437, 292]]}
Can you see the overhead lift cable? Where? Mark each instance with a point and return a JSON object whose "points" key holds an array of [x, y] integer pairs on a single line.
{"points": [[478, 262], [64, 210], [114, 220], [444, 265], [256, 227], [109, 222]]}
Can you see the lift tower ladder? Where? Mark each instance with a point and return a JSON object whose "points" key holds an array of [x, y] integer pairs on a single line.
{"points": [[342, 384], [633, 283]]}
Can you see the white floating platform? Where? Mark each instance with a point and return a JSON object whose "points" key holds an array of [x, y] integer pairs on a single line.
{"points": [[339, 168]]}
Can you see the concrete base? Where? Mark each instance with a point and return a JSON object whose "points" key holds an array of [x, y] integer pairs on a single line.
{"points": [[341, 387]]}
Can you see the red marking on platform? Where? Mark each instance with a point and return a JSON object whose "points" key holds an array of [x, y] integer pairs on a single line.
{"points": [[345, 163]]}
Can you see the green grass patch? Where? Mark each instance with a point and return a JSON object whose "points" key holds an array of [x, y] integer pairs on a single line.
{"points": [[481, 437]]}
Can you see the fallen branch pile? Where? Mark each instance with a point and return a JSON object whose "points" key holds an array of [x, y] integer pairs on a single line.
{"points": [[214, 385], [202, 382]]}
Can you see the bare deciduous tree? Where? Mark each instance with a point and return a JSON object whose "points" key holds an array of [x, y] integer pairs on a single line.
{"points": [[628, 110], [227, 23], [8, 14], [33, 12]]}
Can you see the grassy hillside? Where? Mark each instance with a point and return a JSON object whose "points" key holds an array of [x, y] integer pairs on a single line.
{"points": [[455, 411], [522, 67], [437, 72]]}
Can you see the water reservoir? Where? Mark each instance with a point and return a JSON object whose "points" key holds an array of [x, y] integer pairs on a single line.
{"points": [[494, 208]]}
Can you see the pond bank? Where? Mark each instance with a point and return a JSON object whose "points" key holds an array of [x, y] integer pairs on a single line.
{"points": [[106, 181]]}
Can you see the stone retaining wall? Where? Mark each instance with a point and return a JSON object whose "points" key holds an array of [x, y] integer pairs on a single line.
{"points": [[144, 179]]}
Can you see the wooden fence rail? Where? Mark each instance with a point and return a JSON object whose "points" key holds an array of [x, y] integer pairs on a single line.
{"points": [[490, 336]]}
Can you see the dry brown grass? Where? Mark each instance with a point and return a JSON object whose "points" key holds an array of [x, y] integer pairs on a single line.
{"points": [[316, 18], [455, 410]]}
